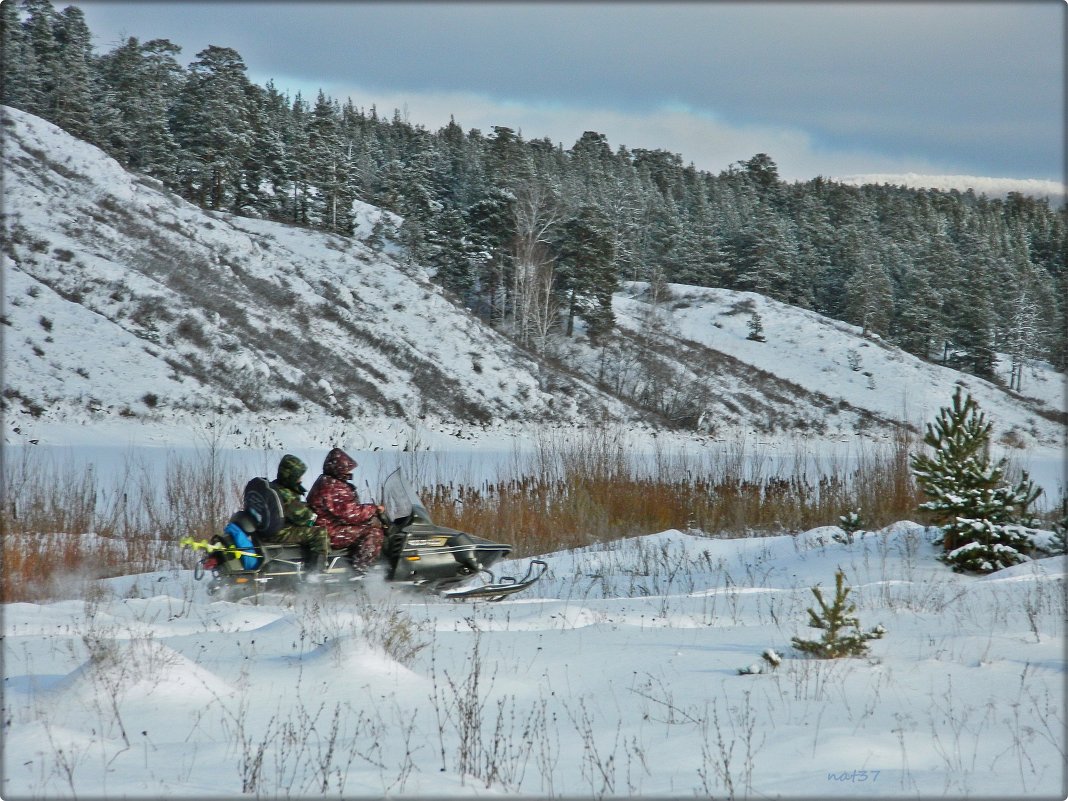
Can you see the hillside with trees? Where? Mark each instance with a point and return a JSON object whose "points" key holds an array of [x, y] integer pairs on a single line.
{"points": [[528, 233]]}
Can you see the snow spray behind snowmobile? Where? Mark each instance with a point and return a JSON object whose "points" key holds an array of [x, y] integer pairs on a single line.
{"points": [[416, 553]]}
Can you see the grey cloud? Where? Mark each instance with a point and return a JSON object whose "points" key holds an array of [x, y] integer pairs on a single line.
{"points": [[938, 80]]}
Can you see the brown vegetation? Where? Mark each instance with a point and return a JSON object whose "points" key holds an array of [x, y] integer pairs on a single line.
{"points": [[62, 527], [577, 493]]}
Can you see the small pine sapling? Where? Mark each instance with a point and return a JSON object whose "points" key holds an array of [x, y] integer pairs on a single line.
{"points": [[756, 328], [841, 629], [850, 523]]}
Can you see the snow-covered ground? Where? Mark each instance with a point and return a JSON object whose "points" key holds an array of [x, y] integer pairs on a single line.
{"points": [[616, 675]]}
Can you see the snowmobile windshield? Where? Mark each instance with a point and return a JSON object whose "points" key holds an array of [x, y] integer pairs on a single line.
{"points": [[400, 499]]}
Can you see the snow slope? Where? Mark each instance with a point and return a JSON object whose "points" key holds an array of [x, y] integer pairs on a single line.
{"points": [[616, 675], [123, 300], [131, 316], [835, 360]]}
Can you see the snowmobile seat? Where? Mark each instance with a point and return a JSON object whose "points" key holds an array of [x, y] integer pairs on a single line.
{"points": [[264, 506], [283, 550]]}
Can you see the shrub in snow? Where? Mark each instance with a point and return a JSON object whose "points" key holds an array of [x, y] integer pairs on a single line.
{"points": [[983, 518], [854, 360], [771, 660], [841, 629]]}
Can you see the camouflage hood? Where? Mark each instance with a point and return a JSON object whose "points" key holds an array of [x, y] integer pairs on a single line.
{"points": [[290, 471], [339, 465]]}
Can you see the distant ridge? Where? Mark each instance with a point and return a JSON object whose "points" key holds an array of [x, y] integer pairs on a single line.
{"points": [[1054, 191]]}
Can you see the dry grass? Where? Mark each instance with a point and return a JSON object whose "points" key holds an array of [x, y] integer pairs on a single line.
{"points": [[578, 492], [62, 527]]}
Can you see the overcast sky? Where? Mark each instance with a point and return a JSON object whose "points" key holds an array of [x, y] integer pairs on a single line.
{"points": [[831, 89]]}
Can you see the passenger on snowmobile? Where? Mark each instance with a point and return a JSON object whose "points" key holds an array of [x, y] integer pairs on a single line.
{"points": [[348, 522], [299, 518]]}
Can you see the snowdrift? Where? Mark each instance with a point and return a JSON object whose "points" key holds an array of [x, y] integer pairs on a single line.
{"points": [[618, 674]]}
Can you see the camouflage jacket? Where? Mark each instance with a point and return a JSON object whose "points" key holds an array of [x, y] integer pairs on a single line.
{"points": [[291, 492], [333, 498]]}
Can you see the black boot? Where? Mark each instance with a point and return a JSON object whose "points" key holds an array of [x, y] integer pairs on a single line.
{"points": [[317, 568]]}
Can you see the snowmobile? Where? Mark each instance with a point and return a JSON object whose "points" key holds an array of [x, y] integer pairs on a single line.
{"points": [[416, 553]]}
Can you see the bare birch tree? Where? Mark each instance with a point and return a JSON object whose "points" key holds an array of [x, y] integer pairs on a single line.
{"points": [[534, 307]]}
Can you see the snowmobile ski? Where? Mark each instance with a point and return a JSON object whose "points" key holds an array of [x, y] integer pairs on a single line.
{"points": [[496, 590]]}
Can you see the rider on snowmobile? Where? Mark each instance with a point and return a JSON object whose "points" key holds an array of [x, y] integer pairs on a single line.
{"points": [[299, 518], [349, 523]]}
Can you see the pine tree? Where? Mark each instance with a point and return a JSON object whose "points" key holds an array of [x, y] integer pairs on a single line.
{"points": [[766, 256], [850, 523], [590, 163], [213, 123], [841, 628], [297, 160], [763, 172], [451, 255], [140, 83], [490, 229], [660, 234], [328, 172], [916, 325], [506, 157], [815, 235], [586, 274], [702, 255], [756, 328], [418, 206], [18, 65], [73, 85], [869, 294], [40, 67], [267, 167], [983, 518]]}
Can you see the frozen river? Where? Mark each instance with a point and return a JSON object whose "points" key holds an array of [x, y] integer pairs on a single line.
{"points": [[118, 468]]}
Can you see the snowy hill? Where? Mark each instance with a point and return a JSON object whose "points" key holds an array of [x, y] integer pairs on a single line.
{"points": [[122, 299], [125, 305], [843, 377]]}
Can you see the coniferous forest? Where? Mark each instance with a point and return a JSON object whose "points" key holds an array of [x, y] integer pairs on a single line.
{"points": [[528, 233]]}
